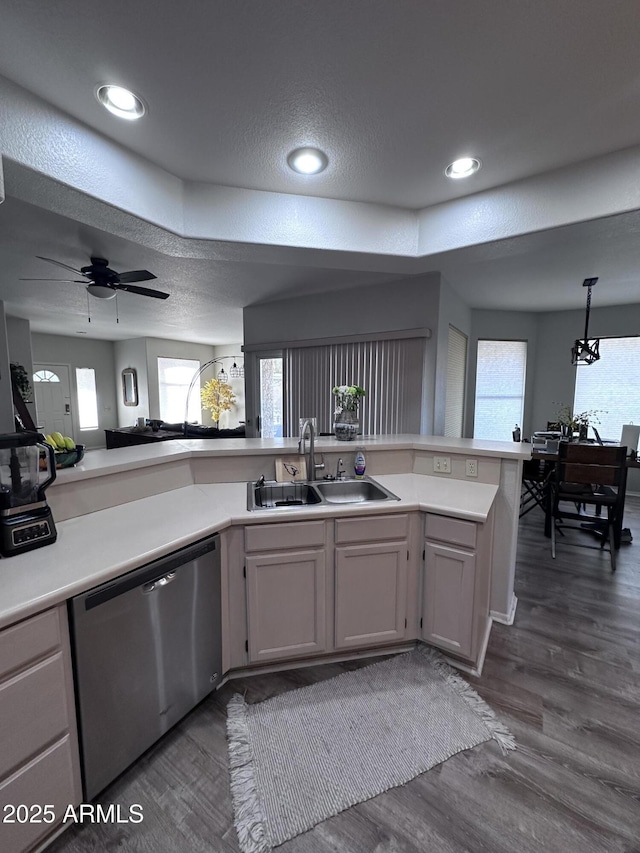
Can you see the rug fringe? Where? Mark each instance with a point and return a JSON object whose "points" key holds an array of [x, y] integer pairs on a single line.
{"points": [[248, 817], [498, 731]]}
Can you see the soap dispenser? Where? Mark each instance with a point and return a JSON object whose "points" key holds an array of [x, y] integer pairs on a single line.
{"points": [[359, 464]]}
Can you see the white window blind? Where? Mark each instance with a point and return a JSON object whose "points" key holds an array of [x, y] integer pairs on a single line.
{"points": [[611, 386], [456, 378], [500, 376], [390, 371], [174, 378]]}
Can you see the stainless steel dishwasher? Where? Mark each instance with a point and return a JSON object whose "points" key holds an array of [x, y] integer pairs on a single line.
{"points": [[147, 649]]}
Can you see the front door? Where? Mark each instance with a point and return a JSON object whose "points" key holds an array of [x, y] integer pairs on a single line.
{"points": [[53, 399]]}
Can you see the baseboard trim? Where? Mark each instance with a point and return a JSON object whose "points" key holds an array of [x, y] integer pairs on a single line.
{"points": [[317, 661], [505, 618]]}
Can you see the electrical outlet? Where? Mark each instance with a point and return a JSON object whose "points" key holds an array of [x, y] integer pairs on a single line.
{"points": [[471, 467], [442, 464]]}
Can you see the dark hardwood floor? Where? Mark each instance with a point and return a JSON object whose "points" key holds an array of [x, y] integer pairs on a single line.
{"points": [[565, 678]]}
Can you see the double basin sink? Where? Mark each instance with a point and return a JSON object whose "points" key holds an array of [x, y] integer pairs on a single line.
{"points": [[273, 495]]}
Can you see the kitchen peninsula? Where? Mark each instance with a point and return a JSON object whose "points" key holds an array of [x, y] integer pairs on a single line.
{"points": [[357, 579]]}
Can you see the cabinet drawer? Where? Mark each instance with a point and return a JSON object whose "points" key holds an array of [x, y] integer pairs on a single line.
{"points": [[49, 779], [373, 528], [33, 710], [452, 530], [294, 534], [29, 640]]}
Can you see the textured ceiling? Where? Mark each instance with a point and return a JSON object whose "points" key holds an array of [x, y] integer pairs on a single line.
{"points": [[207, 296], [392, 90]]}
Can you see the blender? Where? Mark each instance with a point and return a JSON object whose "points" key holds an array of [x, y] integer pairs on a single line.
{"points": [[27, 468]]}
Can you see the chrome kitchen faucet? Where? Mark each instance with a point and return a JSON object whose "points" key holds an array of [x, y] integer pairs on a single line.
{"points": [[311, 456]]}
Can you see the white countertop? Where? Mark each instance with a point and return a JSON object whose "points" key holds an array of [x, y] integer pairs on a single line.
{"points": [[102, 545], [97, 463]]}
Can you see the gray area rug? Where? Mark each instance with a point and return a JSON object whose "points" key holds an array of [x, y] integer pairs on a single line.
{"points": [[304, 756]]}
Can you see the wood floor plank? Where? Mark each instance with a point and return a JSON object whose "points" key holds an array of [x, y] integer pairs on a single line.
{"points": [[565, 678]]}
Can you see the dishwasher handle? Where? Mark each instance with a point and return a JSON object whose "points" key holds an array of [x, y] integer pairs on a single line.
{"points": [[163, 581]]}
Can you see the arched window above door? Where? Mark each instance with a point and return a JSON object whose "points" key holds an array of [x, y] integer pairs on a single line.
{"points": [[45, 376]]}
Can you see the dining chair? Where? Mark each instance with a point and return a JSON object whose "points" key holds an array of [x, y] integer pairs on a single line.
{"points": [[588, 475], [535, 482]]}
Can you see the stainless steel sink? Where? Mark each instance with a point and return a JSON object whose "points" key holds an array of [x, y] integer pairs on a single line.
{"points": [[272, 495], [353, 491]]}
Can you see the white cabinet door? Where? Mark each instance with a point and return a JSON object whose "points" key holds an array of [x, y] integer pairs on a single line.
{"points": [[448, 589], [286, 596], [370, 594]]}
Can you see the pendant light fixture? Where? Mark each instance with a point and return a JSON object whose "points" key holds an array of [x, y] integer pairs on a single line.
{"points": [[586, 350]]}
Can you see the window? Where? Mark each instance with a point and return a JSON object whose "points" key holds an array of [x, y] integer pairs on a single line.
{"points": [[87, 398], [610, 386], [271, 397], [456, 375], [45, 376], [390, 371], [500, 375], [174, 378]]}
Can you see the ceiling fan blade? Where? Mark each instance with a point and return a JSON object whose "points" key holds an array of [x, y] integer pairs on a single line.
{"points": [[59, 264], [63, 280], [141, 291], [135, 275]]}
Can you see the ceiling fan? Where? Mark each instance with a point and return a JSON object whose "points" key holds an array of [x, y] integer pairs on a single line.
{"points": [[104, 282]]}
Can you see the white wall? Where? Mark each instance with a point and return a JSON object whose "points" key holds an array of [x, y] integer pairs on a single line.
{"points": [[400, 305], [84, 352], [19, 338], [451, 311], [132, 353]]}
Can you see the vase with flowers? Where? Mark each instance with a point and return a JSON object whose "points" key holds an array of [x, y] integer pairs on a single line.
{"points": [[571, 423], [346, 424]]}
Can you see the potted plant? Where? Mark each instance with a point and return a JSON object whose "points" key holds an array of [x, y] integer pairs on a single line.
{"points": [[571, 423], [346, 422]]}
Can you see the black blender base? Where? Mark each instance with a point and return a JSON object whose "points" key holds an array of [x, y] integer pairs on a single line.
{"points": [[26, 531]]}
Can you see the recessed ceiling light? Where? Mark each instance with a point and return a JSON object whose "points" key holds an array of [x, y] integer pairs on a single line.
{"points": [[121, 102], [463, 167], [308, 161]]}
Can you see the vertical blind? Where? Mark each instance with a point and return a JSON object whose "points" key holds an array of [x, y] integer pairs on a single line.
{"points": [[456, 377], [610, 386], [500, 375], [390, 372]]}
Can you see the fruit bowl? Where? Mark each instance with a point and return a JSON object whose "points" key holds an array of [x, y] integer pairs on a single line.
{"points": [[69, 458]]}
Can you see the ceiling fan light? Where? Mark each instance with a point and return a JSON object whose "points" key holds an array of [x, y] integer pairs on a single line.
{"points": [[121, 102], [101, 291]]}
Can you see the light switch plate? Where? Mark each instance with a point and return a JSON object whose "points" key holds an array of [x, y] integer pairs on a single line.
{"points": [[442, 464]]}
